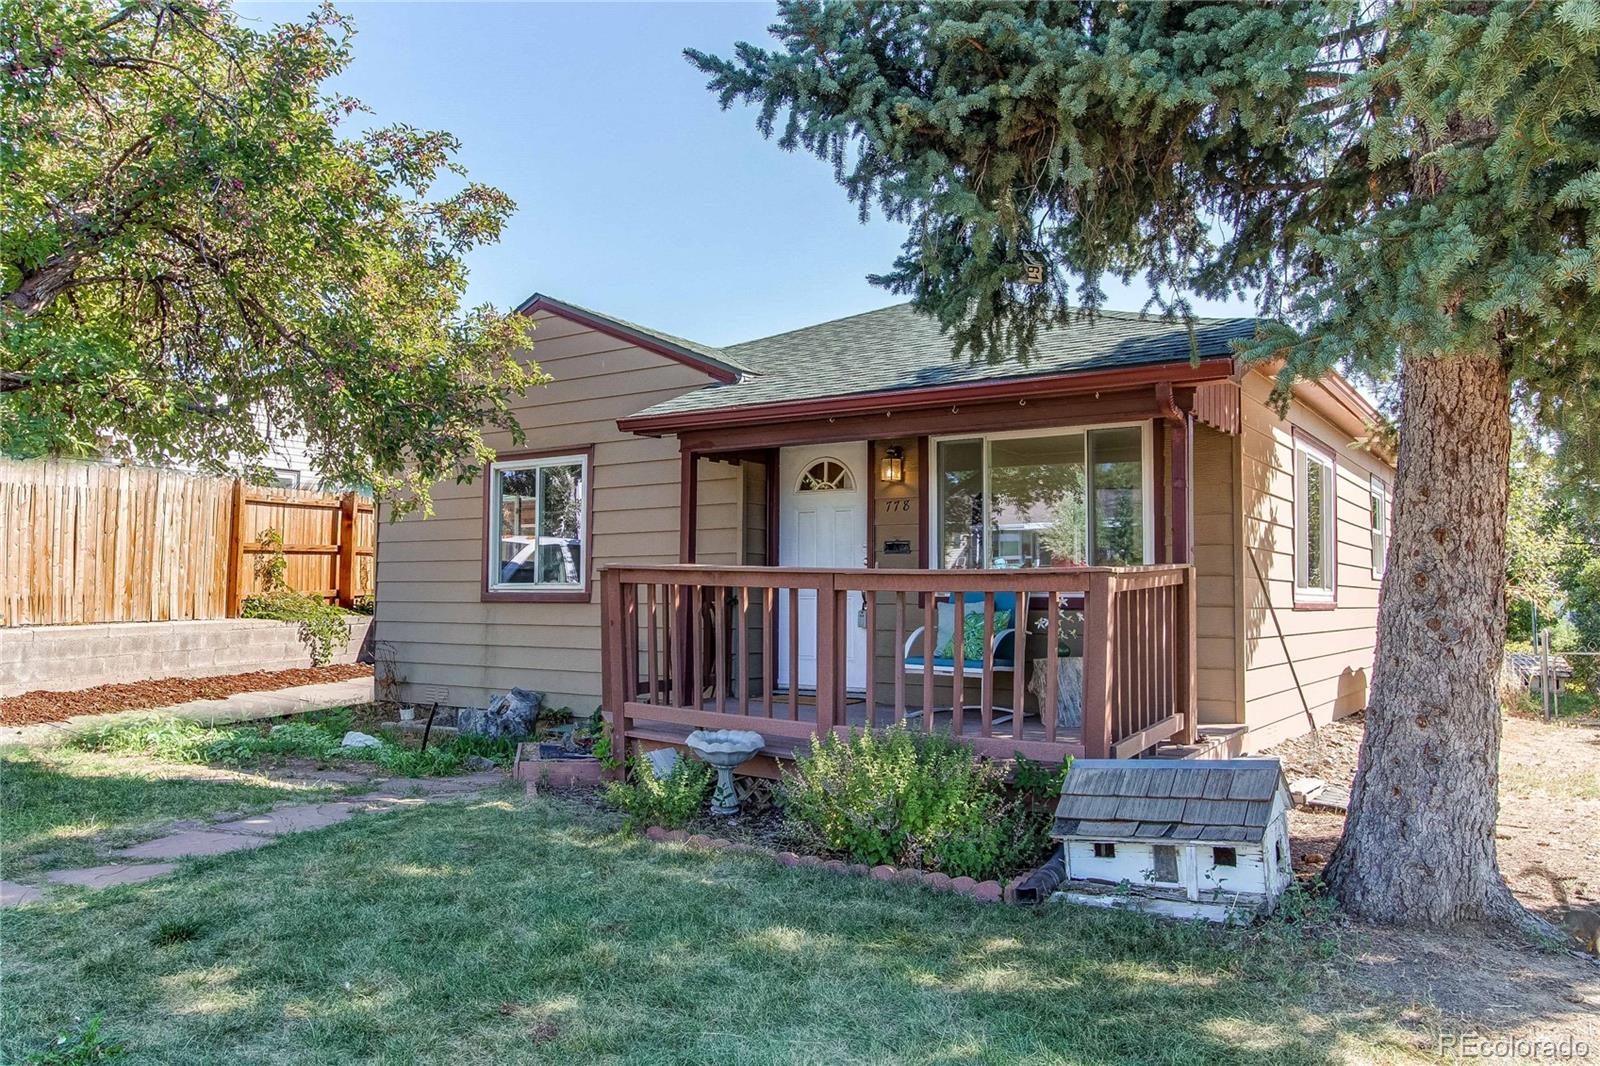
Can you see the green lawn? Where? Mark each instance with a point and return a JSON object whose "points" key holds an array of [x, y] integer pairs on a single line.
{"points": [[60, 807], [510, 930]]}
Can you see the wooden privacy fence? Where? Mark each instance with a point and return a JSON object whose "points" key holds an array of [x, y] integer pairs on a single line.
{"points": [[83, 543]]}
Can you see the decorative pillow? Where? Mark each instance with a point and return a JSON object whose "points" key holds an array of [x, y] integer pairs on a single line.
{"points": [[972, 636]]}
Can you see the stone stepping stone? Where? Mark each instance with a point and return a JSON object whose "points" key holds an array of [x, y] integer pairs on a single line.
{"points": [[192, 843], [297, 819], [15, 895], [115, 873]]}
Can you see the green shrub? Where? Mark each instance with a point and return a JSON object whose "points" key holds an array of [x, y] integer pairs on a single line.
{"points": [[166, 738], [672, 801], [415, 762], [911, 800], [324, 628], [501, 749]]}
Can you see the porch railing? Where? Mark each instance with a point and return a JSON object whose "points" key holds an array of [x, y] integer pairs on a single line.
{"points": [[689, 646]]}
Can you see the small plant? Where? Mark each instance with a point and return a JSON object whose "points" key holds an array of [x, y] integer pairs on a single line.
{"points": [[500, 749], [323, 628], [168, 739], [672, 801], [83, 1043], [911, 800]]}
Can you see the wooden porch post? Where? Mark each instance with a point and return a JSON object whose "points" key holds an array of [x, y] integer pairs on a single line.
{"points": [[1097, 637], [688, 503], [614, 692], [682, 623], [1159, 461], [1182, 478], [1184, 669]]}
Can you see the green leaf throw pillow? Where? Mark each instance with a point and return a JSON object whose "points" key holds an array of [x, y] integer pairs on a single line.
{"points": [[972, 636]]}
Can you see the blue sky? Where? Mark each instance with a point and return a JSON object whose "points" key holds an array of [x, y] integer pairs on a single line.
{"points": [[635, 194]]}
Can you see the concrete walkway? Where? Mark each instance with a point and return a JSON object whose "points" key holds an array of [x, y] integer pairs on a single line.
{"points": [[242, 707], [155, 858]]}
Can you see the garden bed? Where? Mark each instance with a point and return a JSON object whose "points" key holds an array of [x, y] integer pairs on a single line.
{"points": [[40, 708]]}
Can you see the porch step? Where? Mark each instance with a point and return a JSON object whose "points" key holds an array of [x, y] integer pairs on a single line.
{"points": [[1211, 742]]}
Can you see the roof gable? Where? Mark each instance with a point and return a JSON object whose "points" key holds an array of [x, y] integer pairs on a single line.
{"points": [[713, 361]]}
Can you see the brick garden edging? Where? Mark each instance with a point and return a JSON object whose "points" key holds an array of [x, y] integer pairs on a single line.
{"points": [[982, 891]]}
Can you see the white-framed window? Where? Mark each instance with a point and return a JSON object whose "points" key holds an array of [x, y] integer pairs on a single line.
{"points": [[538, 519], [1380, 526], [1316, 488], [1007, 501]]}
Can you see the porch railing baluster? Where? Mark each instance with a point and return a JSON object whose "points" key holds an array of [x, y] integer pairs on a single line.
{"points": [[929, 630], [769, 625], [719, 615], [958, 667], [1052, 664], [900, 658], [743, 607], [869, 603], [698, 638], [986, 708], [651, 662], [1019, 661]]}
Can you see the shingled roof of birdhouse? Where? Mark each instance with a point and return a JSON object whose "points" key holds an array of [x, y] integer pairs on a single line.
{"points": [[1210, 800]]}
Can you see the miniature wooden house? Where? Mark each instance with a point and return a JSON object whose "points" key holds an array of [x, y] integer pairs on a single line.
{"points": [[1190, 839]]}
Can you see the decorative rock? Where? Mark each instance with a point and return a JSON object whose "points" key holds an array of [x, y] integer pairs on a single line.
{"points": [[787, 858], [937, 881], [656, 832], [988, 892], [677, 836], [478, 762], [883, 873], [354, 739], [700, 840], [512, 715], [835, 866], [857, 869], [964, 885], [721, 842], [909, 877], [810, 860]]}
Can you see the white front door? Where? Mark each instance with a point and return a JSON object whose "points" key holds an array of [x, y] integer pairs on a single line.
{"points": [[822, 523]]}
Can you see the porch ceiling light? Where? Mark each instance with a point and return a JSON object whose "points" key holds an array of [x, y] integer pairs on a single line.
{"points": [[894, 464]]}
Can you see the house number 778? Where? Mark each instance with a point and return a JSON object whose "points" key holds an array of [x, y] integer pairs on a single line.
{"points": [[896, 505]]}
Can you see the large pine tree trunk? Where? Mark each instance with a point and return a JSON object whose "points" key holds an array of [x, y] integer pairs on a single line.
{"points": [[1418, 846]]}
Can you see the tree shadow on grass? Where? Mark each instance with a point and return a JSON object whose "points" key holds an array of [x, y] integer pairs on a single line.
{"points": [[504, 931]]}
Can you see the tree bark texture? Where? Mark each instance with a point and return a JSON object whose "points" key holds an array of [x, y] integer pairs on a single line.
{"points": [[1419, 845]]}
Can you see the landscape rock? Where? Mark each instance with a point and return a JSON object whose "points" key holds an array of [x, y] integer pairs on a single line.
{"points": [[835, 866], [988, 892], [938, 882], [478, 762], [356, 739], [964, 885], [787, 858], [677, 836], [857, 869], [656, 832], [514, 714], [883, 873]]}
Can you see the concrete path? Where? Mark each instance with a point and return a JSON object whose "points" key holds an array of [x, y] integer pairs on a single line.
{"points": [[242, 707], [155, 858]]}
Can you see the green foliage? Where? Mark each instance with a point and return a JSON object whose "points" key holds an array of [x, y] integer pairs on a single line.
{"points": [[323, 627], [78, 1046], [501, 749], [913, 800], [672, 801], [198, 256], [1536, 540], [1407, 182], [315, 736]]}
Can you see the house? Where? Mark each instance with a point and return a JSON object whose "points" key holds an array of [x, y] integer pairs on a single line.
{"points": [[783, 529], [1194, 839]]}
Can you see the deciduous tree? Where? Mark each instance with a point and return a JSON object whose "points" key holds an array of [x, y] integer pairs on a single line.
{"points": [[196, 253]]}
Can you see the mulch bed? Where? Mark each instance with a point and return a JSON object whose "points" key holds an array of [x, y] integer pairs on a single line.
{"points": [[38, 708]]}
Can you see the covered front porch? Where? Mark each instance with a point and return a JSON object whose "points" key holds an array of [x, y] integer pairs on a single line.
{"points": [[1010, 563], [1082, 661]]}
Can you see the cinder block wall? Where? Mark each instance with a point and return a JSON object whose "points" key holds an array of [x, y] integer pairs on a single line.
{"points": [[60, 658]]}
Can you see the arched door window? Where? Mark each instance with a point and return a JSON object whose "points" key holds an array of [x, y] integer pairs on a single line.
{"points": [[827, 475]]}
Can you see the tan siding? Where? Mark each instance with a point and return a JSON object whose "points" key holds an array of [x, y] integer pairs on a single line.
{"points": [[1216, 559], [431, 622], [1331, 650]]}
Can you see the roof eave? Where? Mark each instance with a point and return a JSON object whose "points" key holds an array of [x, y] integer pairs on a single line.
{"points": [[719, 371], [1182, 372]]}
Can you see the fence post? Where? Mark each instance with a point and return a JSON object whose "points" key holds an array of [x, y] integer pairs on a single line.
{"points": [[236, 538], [830, 612], [347, 550]]}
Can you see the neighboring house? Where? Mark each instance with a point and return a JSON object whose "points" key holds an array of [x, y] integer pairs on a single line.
{"points": [[1206, 839], [668, 479]]}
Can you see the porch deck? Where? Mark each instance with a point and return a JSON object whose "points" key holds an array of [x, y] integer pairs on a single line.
{"points": [[697, 647]]}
